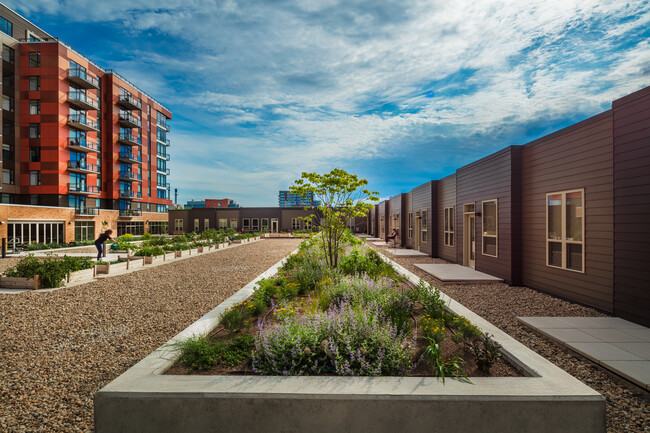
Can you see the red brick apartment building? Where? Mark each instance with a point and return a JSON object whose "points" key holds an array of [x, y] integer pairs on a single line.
{"points": [[568, 214], [80, 144]]}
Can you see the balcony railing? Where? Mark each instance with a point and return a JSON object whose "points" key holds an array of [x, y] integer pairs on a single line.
{"points": [[166, 142], [130, 139], [163, 124], [163, 170], [80, 99], [82, 122], [125, 193], [130, 212], [130, 175], [82, 78], [130, 157], [84, 144], [86, 210], [75, 188], [82, 166], [163, 186], [129, 102], [163, 156], [130, 121]]}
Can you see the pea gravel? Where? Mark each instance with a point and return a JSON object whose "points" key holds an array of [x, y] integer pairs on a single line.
{"points": [[628, 407], [59, 348]]}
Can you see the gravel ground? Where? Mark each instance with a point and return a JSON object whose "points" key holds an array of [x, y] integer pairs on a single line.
{"points": [[61, 347], [628, 408]]}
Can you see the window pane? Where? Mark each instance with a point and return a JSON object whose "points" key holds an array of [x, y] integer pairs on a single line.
{"points": [[574, 213], [451, 219], [555, 216], [490, 218], [490, 246], [574, 257], [451, 239], [555, 254]]}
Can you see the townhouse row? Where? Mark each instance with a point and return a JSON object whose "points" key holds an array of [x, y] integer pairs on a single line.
{"points": [[567, 214]]}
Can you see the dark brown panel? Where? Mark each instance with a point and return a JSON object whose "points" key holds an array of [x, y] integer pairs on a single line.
{"points": [[422, 201]]}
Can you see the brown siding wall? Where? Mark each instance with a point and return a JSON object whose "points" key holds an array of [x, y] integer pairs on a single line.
{"points": [[487, 179], [631, 119], [396, 209], [422, 197], [577, 157], [447, 198]]}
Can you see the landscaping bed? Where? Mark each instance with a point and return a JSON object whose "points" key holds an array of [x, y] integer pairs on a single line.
{"points": [[360, 319]]}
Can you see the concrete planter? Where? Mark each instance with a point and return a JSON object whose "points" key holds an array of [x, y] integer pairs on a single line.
{"points": [[199, 249], [546, 400], [84, 274]]}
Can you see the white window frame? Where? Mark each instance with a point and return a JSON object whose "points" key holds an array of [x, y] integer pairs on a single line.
{"points": [[233, 223], [295, 224], [265, 224], [197, 228], [496, 223], [563, 238], [34, 177], [223, 223], [178, 225], [50, 228], [307, 223], [255, 224], [246, 224], [206, 224], [449, 226], [424, 226]]}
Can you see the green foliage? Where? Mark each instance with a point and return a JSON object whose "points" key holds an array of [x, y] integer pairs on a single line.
{"points": [[52, 272], [341, 197], [432, 329], [431, 298], [444, 367], [266, 289], [486, 351], [148, 250], [127, 237], [465, 330], [398, 311], [199, 353], [155, 241], [370, 264], [233, 318], [146, 236]]}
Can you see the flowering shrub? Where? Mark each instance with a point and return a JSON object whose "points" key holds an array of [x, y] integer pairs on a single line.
{"points": [[347, 340], [432, 329]]}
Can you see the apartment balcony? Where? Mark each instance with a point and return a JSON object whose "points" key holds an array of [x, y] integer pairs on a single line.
{"points": [[124, 193], [165, 142], [82, 122], [130, 139], [82, 167], [129, 175], [83, 79], [130, 157], [129, 121], [163, 171], [130, 213], [86, 211], [82, 189], [82, 101], [164, 186], [129, 102], [163, 156], [164, 125], [84, 145]]}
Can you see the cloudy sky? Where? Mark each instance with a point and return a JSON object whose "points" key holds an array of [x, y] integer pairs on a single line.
{"points": [[398, 92]]}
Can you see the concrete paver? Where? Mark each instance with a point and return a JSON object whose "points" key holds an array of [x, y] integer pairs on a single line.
{"points": [[457, 273], [405, 252]]}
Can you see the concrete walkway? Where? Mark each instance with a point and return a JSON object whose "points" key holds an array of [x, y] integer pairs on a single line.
{"points": [[374, 239], [618, 345], [405, 252], [452, 273]]}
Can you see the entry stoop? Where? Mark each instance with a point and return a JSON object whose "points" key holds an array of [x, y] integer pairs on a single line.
{"points": [[452, 273]]}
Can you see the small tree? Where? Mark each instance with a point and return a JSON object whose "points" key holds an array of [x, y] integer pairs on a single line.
{"points": [[341, 198]]}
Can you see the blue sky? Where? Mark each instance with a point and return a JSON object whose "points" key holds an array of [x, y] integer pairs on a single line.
{"points": [[397, 92]]}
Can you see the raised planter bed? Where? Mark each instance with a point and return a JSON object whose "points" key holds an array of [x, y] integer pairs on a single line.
{"points": [[20, 283], [101, 269], [547, 399]]}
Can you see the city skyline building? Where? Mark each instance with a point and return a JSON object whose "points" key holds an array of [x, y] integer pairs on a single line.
{"points": [[288, 199]]}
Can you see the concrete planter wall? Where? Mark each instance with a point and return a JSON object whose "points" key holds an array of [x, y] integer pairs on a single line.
{"points": [[547, 400], [178, 254]]}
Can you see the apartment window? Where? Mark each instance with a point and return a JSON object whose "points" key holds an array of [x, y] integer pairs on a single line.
{"points": [[158, 227], [206, 224], [34, 59], [423, 226], [410, 225], [34, 177], [233, 223], [161, 208], [84, 231], [565, 230], [255, 224], [8, 54], [449, 226], [307, 223], [135, 228], [246, 224], [6, 26], [29, 232], [490, 228], [178, 225], [7, 176], [34, 84], [7, 103], [223, 223], [35, 106], [34, 130], [295, 224], [196, 225], [265, 224]]}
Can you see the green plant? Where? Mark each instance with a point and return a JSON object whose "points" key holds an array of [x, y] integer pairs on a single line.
{"points": [[148, 250], [465, 330], [486, 351], [146, 236], [233, 318], [444, 367], [432, 329], [266, 289], [126, 237], [52, 272], [197, 353]]}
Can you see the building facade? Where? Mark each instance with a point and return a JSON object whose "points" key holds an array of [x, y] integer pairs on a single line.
{"points": [[566, 214], [287, 199], [81, 144]]}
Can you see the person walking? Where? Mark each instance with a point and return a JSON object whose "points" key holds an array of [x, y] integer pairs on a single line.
{"points": [[99, 243]]}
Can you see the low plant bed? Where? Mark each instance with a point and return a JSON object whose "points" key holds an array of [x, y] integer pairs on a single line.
{"points": [[359, 319], [52, 271]]}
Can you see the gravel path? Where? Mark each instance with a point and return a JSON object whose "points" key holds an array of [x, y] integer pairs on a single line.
{"points": [[61, 347], [628, 409]]}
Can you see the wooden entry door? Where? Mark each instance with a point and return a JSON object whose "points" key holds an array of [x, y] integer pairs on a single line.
{"points": [[274, 225], [469, 235]]}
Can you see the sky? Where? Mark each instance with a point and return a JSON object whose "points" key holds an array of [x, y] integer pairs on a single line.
{"points": [[397, 92]]}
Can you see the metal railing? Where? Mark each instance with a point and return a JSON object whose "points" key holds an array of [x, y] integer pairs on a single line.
{"points": [[131, 119], [130, 156], [130, 212], [86, 211], [83, 165], [130, 175], [85, 143], [84, 75], [130, 194], [82, 188], [131, 100], [78, 118], [130, 137], [76, 95]]}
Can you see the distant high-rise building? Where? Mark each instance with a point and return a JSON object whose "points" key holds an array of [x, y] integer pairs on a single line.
{"points": [[287, 199]]}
